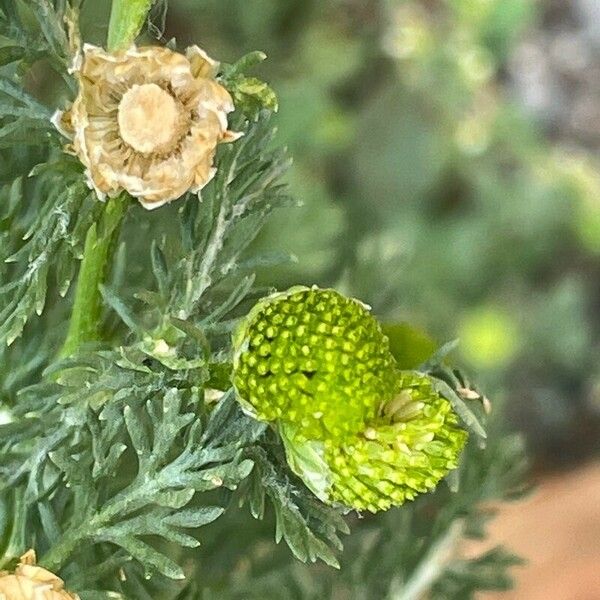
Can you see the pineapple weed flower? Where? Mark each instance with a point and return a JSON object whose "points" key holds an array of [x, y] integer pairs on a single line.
{"points": [[30, 582], [148, 121], [357, 430]]}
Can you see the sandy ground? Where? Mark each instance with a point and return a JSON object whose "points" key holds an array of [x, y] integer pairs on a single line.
{"points": [[557, 530]]}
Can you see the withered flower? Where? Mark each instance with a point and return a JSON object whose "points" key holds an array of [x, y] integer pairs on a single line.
{"points": [[148, 121], [30, 582]]}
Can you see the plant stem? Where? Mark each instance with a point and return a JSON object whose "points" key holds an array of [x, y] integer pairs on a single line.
{"points": [[126, 21], [431, 567], [87, 307], [13, 542]]}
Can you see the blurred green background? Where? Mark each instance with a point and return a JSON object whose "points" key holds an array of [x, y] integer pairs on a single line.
{"points": [[448, 174]]}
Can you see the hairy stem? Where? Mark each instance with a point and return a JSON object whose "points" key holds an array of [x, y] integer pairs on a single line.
{"points": [[126, 21]]}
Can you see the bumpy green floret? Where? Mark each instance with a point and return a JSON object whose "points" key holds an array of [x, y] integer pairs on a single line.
{"points": [[412, 443], [313, 359], [406, 451]]}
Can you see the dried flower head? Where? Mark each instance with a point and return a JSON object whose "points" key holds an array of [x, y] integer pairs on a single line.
{"points": [[148, 121], [30, 582]]}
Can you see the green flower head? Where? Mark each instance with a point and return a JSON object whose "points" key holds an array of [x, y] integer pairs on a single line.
{"points": [[405, 450], [314, 359], [358, 431]]}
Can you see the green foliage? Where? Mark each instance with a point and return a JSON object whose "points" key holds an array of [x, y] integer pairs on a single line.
{"points": [[309, 528], [46, 210], [43, 228], [34, 30], [249, 93], [152, 502], [488, 572], [116, 462], [126, 21]]}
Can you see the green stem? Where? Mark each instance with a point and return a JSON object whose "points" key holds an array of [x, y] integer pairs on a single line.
{"points": [[126, 21], [12, 544], [87, 307]]}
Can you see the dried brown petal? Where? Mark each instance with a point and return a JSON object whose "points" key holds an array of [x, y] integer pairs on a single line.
{"points": [[30, 582], [148, 121]]}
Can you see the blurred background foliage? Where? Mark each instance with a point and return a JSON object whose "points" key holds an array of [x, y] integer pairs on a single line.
{"points": [[448, 175]]}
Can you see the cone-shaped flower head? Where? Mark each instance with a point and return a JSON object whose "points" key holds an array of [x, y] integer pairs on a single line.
{"points": [[412, 443], [148, 121], [29, 582], [406, 451], [314, 359]]}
